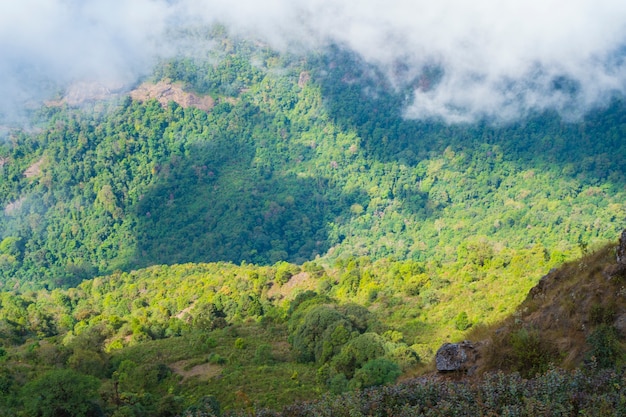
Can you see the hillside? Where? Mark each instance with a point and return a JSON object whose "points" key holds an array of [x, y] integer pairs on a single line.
{"points": [[296, 157], [574, 315], [256, 228], [214, 336], [572, 319]]}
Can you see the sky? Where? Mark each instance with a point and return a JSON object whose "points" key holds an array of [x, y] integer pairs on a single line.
{"points": [[498, 59]]}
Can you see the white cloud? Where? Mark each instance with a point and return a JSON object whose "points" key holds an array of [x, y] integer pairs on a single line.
{"points": [[500, 59]]}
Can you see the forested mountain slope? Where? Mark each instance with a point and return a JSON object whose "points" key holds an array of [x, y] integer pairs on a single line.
{"points": [[279, 223], [299, 157]]}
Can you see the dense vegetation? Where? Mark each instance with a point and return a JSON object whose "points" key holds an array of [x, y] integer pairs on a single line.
{"points": [[556, 393], [142, 336], [206, 338], [300, 237], [298, 158]]}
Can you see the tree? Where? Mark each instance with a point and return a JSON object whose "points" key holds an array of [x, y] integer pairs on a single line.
{"points": [[62, 393], [308, 338], [357, 352], [377, 371]]}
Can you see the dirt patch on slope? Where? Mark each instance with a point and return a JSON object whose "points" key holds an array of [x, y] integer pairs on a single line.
{"points": [[164, 92], [204, 371], [13, 206], [34, 170], [300, 281], [184, 311]]}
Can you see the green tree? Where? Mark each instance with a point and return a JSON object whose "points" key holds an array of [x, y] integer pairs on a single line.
{"points": [[357, 352], [605, 345], [62, 393], [377, 371], [308, 338]]}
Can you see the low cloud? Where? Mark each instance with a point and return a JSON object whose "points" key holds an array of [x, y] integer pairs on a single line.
{"points": [[47, 45], [495, 59]]}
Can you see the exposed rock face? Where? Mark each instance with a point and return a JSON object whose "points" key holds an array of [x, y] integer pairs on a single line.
{"points": [[539, 290], [618, 270], [165, 92], [456, 357], [621, 249], [620, 325], [305, 77]]}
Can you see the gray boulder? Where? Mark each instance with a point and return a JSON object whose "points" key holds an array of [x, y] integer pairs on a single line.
{"points": [[456, 357]]}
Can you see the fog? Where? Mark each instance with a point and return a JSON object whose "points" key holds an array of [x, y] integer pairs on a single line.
{"points": [[498, 60]]}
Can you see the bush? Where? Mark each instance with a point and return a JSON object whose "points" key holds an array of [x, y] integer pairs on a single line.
{"points": [[379, 371], [284, 272], [357, 352], [216, 359], [338, 384], [605, 347], [62, 393], [602, 314], [461, 321], [240, 343], [531, 354], [263, 355], [208, 406], [307, 339]]}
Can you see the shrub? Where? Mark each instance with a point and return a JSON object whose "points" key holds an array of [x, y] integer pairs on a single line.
{"points": [[216, 359], [284, 272], [602, 314], [357, 352], [338, 384], [379, 371], [531, 354], [403, 355], [209, 342], [308, 338], [208, 406], [62, 393], [461, 321], [604, 345], [240, 343], [263, 355]]}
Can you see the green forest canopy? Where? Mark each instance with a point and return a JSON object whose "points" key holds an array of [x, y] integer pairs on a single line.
{"points": [[301, 210], [300, 157]]}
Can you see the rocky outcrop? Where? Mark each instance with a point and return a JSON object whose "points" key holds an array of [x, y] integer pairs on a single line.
{"points": [[618, 270], [620, 325], [539, 290], [621, 249], [457, 357], [164, 92]]}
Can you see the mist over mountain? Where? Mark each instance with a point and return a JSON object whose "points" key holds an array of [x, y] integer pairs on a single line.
{"points": [[262, 203], [498, 61]]}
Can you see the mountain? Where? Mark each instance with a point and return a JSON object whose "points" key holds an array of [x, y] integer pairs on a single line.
{"points": [[253, 228], [296, 157]]}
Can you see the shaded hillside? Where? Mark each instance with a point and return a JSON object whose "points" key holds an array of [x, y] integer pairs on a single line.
{"points": [[576, 314]]}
